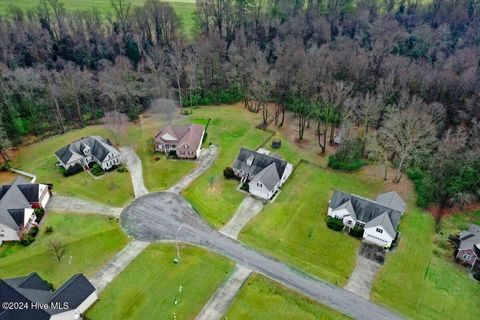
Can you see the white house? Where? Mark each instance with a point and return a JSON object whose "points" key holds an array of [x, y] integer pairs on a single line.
{"points": [[265, 174], [379, 219], [87, 150], [17, 203], [68, 302]]}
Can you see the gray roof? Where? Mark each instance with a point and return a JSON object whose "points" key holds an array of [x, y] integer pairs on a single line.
{"points": [[260, 162], [391, 200], [348, 206], [470, 239], [384, 221], [366, 210], [99, 148], [15, 198], [268, 176], [32, 288]]}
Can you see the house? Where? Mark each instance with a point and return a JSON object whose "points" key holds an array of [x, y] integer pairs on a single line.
{"points": [[17, 203], [264, 174], [185, 141], [469, 248], [93, 149], [379, 219], [39, 302]]}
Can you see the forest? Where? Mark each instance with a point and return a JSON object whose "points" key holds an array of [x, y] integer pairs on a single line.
{"points": [[398, 78]]}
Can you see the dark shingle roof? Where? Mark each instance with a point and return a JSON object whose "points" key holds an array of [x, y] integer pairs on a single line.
{"points": [[12, 199], [365, 209], [99, 148], [33, 289], [268, 177], [260, 162]]}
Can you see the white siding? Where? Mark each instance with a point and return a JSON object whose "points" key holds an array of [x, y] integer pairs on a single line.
{"points": [[382, 239], [286, 173], [8, 234], [70, 315], [41, 189], [259, 190]]}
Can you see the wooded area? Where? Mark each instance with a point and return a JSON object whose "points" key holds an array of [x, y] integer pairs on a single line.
{"points": [[404, 71]]}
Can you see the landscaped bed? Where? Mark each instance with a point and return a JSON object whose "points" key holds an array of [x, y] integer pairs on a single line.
{"points": [[231, 128], [293, 228], [114, 188], [150, 285], [90, 241], [261, 298]]}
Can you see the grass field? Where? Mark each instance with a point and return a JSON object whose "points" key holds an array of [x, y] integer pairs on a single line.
{"points": [[420, 280], [39, 159], [162, 174], [231, 127], [293, 228], [149, 286], [185, 9], [251, 303], [90, 241]]}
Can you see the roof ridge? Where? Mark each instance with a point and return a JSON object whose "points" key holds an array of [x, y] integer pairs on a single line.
{"points": [[369, 200]]}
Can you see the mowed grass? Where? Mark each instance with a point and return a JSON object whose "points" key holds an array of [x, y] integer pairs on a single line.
{"points": [[90, 240], [293, 228], [157, 174], [185, 9], [231, 127], [149, 286], [113, 188], [420, 279], [261, 298]]}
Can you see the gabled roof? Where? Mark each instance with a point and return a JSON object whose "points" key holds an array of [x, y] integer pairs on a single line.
{"points": [[470, 239], [268, 177], [32, 288], [260, 162], [191, 135], [365, 209], [99, 148], [384, 221], [391, 200], [347, 206], [12, 201]]}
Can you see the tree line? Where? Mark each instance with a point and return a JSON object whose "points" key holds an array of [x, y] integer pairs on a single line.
{"points": [[404, 72]]}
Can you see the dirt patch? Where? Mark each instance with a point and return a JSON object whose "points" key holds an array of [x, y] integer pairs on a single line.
{"points": [[372, 252], [6, 177]]}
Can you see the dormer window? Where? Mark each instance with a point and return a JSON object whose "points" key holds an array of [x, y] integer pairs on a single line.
{"points": [[86, 150], [250, 160], [379, 230]]}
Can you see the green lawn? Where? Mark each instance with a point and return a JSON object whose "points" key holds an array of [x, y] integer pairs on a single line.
{"points": [[158, 174], [261, 298], [293, 228], [231, 127], [185, 9], [39, 159], [420, 280], [90, 241], [149, 286]]}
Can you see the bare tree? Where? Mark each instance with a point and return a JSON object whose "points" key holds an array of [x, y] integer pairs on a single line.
{"points": [[57, 249], [408, 135], [369, 111]]}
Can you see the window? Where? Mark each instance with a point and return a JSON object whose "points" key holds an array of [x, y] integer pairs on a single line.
{"points": [[379, 230], [466, 256], [349, 221]]}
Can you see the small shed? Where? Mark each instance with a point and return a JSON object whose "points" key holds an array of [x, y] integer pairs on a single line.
{"points": [[276, 143]]}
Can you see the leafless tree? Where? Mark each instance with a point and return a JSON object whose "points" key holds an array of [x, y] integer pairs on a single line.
{"points": [[57, 249]]}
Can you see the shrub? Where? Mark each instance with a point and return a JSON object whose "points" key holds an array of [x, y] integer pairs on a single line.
{"points": [[72, 170], [423, 183], [122, 168], [356, 231], [334, 223], [245, 187], [39, 213], [354, 165], [348, 157], [28, 238], [228, 173], [48, 229], [172, 153], [96, 170], [34, 231]]}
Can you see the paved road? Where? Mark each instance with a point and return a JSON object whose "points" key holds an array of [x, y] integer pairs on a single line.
{"points": [[360, 282], [223, 297], [248, 209], [207, 157], [167, 216], [76, 205], [134, 165]]}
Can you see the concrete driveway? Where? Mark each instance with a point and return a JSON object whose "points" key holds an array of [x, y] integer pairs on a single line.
{"points": [[167, 216], [134, 165], [248, 209]]}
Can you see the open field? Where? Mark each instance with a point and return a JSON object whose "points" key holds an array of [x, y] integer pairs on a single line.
{"points": [[293, 228], [90, 241], [185, 9], [231, 127], [261, 298], [149, 286], [420, 279], [39, 159], [162, 174]]}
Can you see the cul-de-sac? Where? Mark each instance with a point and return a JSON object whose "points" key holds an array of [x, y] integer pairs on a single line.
{"points": [[227, 159]]}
